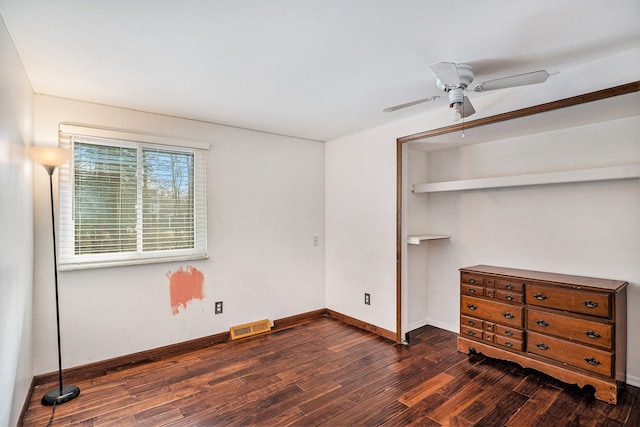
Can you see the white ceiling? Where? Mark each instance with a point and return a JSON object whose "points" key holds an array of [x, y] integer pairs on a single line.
{"points": [[315, 69]]}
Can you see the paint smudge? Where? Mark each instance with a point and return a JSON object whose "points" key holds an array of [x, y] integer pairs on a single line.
{"points": [[184, 286]]}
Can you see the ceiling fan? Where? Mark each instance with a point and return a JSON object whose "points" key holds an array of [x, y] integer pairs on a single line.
{"points": [[454, 79]]}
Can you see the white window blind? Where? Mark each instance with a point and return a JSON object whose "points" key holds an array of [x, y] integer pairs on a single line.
{"points": [[129, 202]]}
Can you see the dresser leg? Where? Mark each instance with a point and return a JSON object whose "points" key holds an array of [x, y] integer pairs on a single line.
{"points": [[607, 393], [463, 347]]}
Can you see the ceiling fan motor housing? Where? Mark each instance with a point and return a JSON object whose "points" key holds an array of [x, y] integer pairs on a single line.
{"points": [[455, 88]]}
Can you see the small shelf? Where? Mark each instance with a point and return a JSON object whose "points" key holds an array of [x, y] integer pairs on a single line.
{"points": [[578, 175], [417, 239]]}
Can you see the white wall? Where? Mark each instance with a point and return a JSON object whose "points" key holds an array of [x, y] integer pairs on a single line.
{"points": [[361, 241], [16, 225], [361, 198], [265, 203]]}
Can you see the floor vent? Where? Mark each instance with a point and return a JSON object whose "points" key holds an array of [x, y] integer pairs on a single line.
{"points": [[254, 328]]}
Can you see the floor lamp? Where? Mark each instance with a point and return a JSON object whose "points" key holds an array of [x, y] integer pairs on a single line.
{"points": [[50, 158]]}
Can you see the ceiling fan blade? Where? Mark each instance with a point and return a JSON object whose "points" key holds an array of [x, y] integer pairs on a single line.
{"points": [[532, 78], [446, 72], [467, 108], [409, 104]]}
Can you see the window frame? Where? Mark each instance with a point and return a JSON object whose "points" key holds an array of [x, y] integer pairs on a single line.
{"points": [[67, 258]]}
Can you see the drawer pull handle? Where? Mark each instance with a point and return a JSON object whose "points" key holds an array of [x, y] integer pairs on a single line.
{"points": [[508, 344], [472, 307], [542, 346], [509, 286], [472, 280], [509, 298], [590, 304], [508, 332], [592, 334], [592, 361], [542, 323], [471, 322], [540, 297], [508, 315], [471, 333], [472, 291]]}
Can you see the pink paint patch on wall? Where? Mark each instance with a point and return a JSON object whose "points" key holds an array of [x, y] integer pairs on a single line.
{"points": [[184, 286]]}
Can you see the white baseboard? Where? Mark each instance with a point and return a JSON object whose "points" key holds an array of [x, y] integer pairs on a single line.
{"points": [[437, 324], [446, 326], [634, 381], [417, 325]]}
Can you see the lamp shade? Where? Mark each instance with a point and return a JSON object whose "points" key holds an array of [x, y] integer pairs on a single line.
{"points": [[49, 156]]}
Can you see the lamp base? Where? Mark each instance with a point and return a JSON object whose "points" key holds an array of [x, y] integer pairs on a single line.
{"points": [[55, 397]]}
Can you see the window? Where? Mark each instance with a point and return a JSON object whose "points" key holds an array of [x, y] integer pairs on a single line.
{"points": [[126, 202]]}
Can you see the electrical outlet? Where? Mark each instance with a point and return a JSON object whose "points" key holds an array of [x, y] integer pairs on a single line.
{"points": [[218, 307], [367, 299]]}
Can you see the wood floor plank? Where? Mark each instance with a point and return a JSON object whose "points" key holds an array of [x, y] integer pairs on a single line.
{"points": [[502, 411], [327, 406], [634, 413], [326, 372], [107, 414], [497, 399], [425, 389], [373, 411], [561, 409], [352, 342], [419, 413], [142, 420], [622, 411], [589, 412], [465, 396], [534, 407]]}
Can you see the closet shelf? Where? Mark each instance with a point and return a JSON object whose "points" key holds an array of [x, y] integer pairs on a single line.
{"points": [[417, 239], [578, 175]]}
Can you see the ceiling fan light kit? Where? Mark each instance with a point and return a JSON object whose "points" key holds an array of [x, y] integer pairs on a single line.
{"points": [[454, 79]]}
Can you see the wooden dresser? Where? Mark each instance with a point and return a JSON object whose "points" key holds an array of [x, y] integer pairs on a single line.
{"points": [[572, 328]]}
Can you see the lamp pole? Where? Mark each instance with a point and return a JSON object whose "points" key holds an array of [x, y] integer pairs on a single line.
{"points": [[50, 158]]}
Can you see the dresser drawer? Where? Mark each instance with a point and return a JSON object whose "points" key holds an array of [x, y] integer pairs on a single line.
{"points": [[579, 355], [472, 279], [508, 342], [510, 285], [509, 332], [468, 289], [468, 332], [580, 330], [471, 322], [509, 296], [498, 312], [574, 300]]}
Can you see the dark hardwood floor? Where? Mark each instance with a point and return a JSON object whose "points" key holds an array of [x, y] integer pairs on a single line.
{"points": [[325, 372]]}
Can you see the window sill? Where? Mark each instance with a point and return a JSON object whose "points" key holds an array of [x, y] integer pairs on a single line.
{"points": [[89, 265]]}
